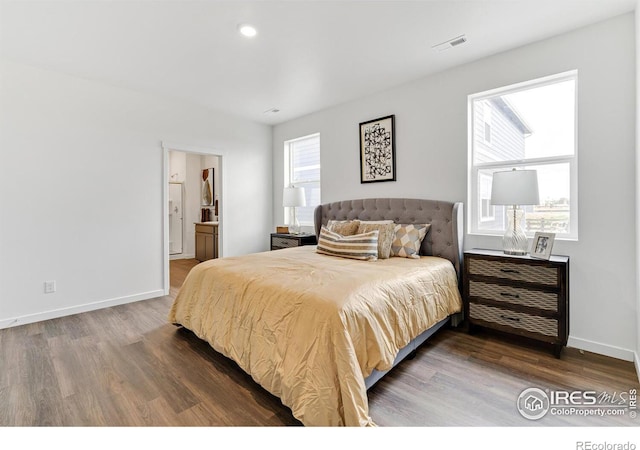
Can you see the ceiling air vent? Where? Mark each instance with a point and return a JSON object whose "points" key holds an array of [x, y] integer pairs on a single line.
{"points": [[446, 45]]}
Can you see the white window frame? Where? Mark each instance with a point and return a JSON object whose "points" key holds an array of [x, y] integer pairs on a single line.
{"points": [[288, 174], [474, 218]]}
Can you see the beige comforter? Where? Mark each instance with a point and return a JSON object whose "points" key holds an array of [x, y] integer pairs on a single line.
{"points": [[309, 328]]}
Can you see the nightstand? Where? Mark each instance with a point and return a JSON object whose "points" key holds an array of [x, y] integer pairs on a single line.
{"points": [[281, 240], [518, 295]]}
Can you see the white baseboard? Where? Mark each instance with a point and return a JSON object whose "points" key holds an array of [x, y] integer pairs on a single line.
{"points": [[636, 362], [62, 312], [602, 349]]}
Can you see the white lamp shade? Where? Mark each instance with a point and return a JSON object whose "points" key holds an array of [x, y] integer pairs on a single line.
{"points": [[293, 196], [515, 187]]}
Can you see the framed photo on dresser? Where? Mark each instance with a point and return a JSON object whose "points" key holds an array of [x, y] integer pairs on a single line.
{"points": [[542, 245]]}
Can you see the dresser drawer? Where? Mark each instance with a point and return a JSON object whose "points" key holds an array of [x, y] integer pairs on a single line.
{"points": [[514, 295], [529, 273], [208, 229], [282, 242], [513, 319]]}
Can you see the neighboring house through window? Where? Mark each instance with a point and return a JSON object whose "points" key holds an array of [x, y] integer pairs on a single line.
{"points": [[302, 169], [531, 125], [487, 210]]}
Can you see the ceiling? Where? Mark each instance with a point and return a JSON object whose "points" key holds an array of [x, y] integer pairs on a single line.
{"points": [[307, 56]]}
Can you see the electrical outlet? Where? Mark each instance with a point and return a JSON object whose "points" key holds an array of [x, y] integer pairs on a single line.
{"points": [[49, 287]]}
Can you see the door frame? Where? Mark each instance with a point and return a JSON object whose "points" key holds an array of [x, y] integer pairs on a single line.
{"points": [[185, 148]]}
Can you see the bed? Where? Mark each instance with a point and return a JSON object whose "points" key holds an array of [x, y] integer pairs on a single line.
{"points": [[317, 331]]}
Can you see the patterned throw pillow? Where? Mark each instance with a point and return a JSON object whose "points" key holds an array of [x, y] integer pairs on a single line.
{"points": [[408, 238], [386, 235], [357, 246], [343, 227]]}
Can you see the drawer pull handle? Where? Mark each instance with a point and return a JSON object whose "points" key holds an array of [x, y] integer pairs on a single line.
{"points": [[509, 271], [515, 319], [506, 294]]}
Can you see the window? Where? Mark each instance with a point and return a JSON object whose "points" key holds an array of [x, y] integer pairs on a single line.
{"points": [[487, 210], [530, 125], [486, 118], [302, 169]]}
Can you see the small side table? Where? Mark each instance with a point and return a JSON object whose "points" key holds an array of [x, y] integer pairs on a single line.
{"points": [[282, 240]]}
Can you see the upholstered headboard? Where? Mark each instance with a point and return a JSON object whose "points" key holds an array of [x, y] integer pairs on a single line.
{"points": [[444, 238]]}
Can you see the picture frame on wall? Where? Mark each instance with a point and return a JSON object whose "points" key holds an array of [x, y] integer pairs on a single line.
{"points": [[542, 245], [378, 150]]}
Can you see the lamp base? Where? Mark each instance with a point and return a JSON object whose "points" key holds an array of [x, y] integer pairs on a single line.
{"points": [[514, 252], [515, 241], [294, 227]]}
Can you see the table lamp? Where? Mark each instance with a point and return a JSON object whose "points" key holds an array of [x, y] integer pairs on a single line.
{"points": [[515, 188], [293, 197]]}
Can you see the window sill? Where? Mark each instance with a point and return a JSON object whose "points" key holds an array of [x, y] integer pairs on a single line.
{"points": [[499, 236]]}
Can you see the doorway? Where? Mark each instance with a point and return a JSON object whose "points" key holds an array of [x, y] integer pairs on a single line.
{"points": [[184, 204]]}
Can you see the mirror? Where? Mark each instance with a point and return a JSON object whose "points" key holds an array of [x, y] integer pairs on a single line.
{"points": [[207, 187]]}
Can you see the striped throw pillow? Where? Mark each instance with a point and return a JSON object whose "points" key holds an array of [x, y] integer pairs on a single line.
{"points": [[386, 235], [358, 246]]}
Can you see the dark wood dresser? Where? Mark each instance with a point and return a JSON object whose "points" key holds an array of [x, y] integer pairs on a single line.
{"points": [[518, 295], [284, 240]]}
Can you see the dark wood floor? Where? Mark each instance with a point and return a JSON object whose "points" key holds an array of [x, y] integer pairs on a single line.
{"points": [[126, 366]]}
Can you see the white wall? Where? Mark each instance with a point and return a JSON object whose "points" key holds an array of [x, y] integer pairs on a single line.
{"points": [[177, 166], [431, 153], [637, 354], [81, 190]]}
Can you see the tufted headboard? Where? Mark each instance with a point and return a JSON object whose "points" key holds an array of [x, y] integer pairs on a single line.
{"points": [[444, 239]]}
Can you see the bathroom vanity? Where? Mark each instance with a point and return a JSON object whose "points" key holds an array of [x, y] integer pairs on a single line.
{"points": [[206, 240]]}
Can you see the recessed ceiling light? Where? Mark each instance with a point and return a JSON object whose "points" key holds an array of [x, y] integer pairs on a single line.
{"points": [[247, 30]]}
